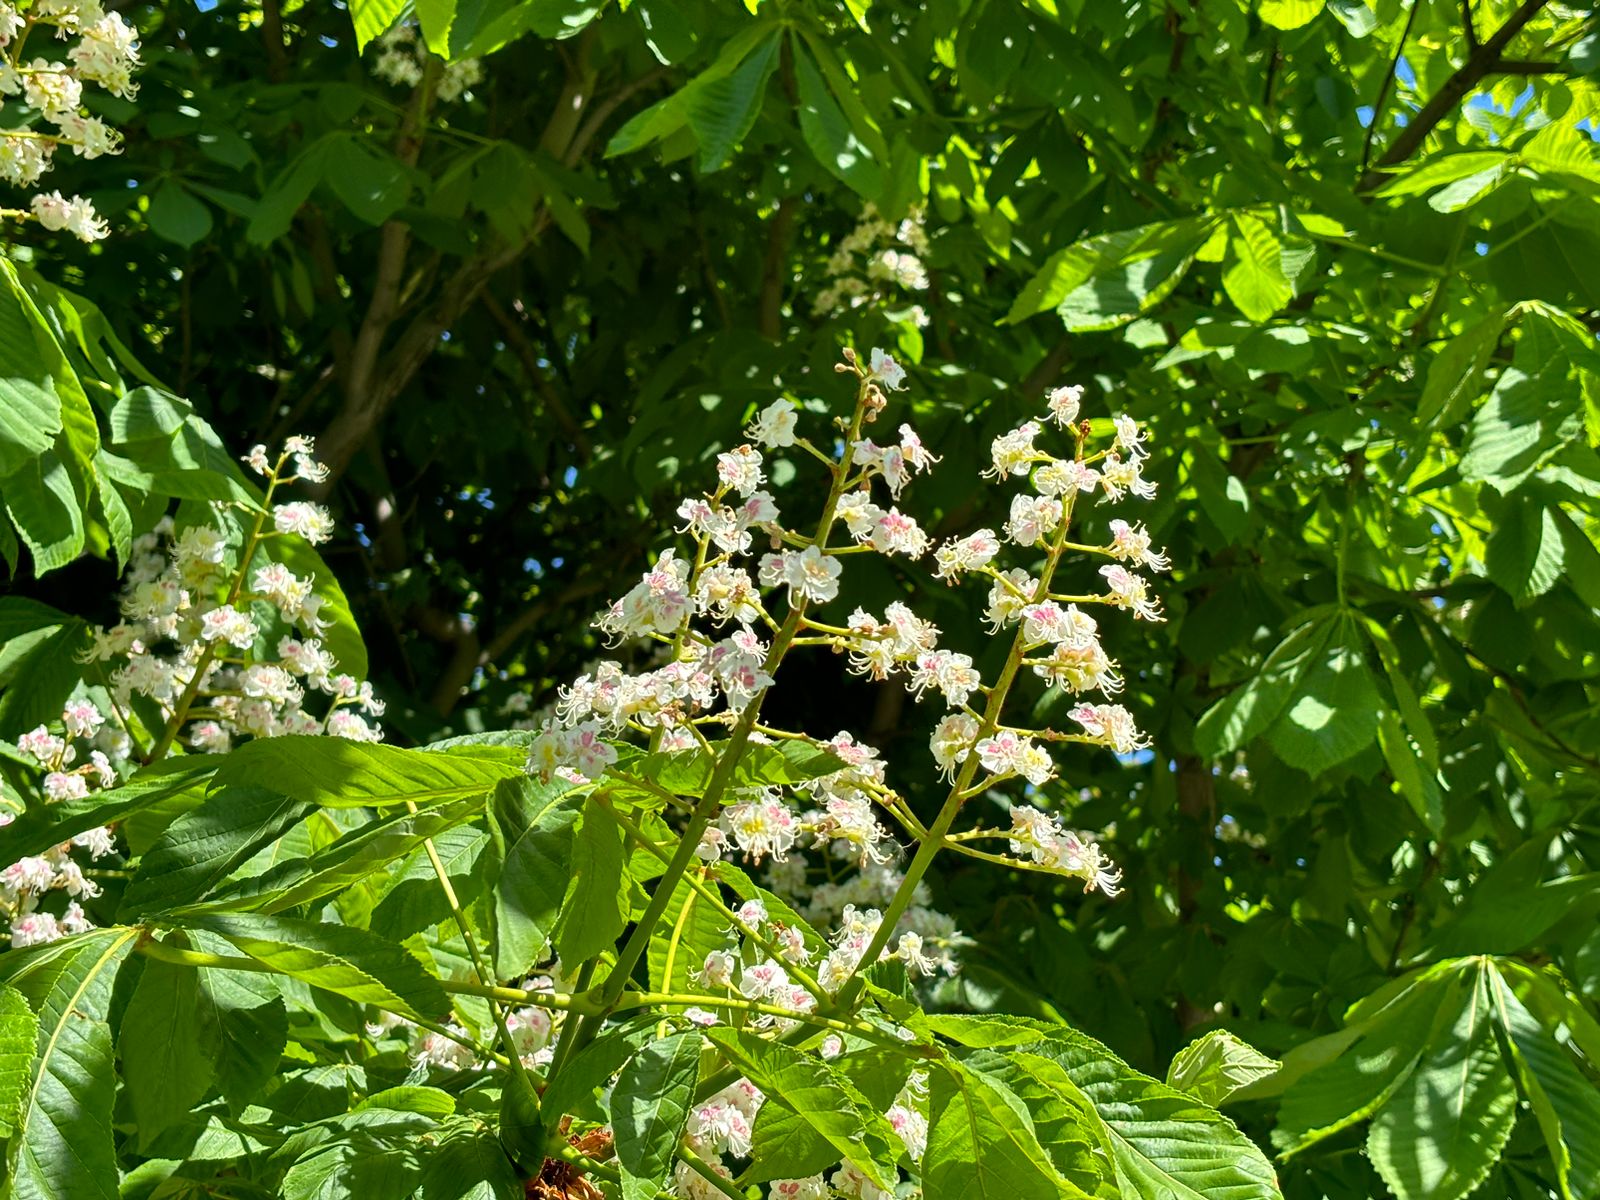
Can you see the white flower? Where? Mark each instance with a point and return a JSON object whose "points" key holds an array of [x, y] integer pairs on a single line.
{"points": [[1112, 725], [952, 740], [812, 1187], [1064, 403], [90, 136], [1119, 476], [899, 267], [911, 1125], [1062, 477], [761, 827], [916, 454], [885, 370], [1127, 590], [775, 426], [1131, 543], [51, 88], [809, 574], [76, 216], [965, 554], [1129, 439], [58, 786], [227, 624], [896, 533], [1013, 452], [81, 718], [740, 469], [1032, 519], [310, 521], [716, 971]]}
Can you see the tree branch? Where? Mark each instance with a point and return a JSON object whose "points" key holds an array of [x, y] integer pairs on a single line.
{"points": [[1481, 62]]}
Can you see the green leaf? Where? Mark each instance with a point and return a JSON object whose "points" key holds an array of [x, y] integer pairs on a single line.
{"points": [[1382, 1055], [823, 1097], [177, 215], [47, 510], [468, 1165], [410, 899], [349, 860], [1457, 371], [1526, 551], [1253, 273], [30, 410], [168, 1043], [1440, 1133], [535, 823], [689, 929], [722, 110], [829, 135], [1214, 1067], [1248, 711], [436, 17], [203, 846], [592, 1067], [649, 1106], [1329, 717], [252, 1026], [1565, 1103], [1537, 404], [172, 778], [1107, 280], [1289, 14], [63, 1146], [336, 773], [689, 772], [1064, 1121], [594, 908], [981, 1143], [1163, 1142], [337, 958], [373, 17], [19, 1030], [1441, 169], [51, 670], [373, 184]]}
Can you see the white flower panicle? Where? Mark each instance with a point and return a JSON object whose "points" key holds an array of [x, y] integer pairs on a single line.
{"points": [[232, 649], [402, 60], [104, 53], [877, 262], [719, 614]]}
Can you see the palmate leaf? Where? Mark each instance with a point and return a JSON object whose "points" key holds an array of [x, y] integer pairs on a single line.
{"points": [[649, 1106], [1438, 1135], [1381, 1054], [1162, 1142], [63, 1149]]}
